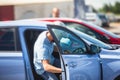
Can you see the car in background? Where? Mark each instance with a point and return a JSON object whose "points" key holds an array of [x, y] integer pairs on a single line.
{"points": [[88, 28], [99, 19], [94, 41], [111, 17]]}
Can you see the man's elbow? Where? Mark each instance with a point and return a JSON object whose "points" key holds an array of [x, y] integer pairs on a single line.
{"points": [[46, 68]]}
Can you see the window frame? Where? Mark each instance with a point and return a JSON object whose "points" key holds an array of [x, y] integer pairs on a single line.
{"points": [[50, 27]]}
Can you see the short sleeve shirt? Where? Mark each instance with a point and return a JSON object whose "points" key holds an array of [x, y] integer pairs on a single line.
{"points": [[43, 49]]}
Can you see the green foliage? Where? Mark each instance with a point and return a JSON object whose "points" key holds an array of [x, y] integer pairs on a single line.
{"points": [[109, 8], [117, 8]]}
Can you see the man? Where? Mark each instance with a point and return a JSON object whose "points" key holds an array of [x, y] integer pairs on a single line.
{"points": [[43, 59], [55, 12]]}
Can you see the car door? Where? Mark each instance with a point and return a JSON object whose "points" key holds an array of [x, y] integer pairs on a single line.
{"points": [[11, 58], [28, 35], [77, 62]]}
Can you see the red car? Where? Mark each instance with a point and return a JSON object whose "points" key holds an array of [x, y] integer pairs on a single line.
{"points": [[88, 28]]}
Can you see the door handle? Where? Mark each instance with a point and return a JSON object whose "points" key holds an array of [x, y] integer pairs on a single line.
{"points": [[72, 64]]}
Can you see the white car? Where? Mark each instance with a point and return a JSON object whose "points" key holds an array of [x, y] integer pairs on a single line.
{"points": [[98, 19]]}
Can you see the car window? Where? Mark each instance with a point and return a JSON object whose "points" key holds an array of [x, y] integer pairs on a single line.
{"points": [[7, 39], [92, 40], [69, 42], [103, 30], [102, 16], [82, 29], [86, 30]]}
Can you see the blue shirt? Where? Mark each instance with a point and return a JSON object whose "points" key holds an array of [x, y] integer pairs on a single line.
{"points": [[43, 49]]}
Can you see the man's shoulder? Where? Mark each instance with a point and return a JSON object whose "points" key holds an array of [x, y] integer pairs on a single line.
{"points": [[42, 35], [44, 32]]}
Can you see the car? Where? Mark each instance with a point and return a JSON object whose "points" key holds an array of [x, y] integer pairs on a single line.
{"points": [[99, 19], [88, 28], [94, 41], [111, 17], [78, 59]]}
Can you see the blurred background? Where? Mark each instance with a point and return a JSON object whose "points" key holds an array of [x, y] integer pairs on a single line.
{"points": [[80, 9]]}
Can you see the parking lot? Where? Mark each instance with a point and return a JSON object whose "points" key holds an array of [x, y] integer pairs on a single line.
{"points": [[114, 27]]}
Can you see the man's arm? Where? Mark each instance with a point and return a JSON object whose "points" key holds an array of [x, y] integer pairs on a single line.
{"points": [[50, 68]]}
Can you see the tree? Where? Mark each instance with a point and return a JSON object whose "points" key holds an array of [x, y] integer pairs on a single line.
{"points": [[111, 8], [106, 8], [116, 8]]}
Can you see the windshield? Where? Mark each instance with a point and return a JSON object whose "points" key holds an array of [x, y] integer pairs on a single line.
{"points": [[91, 39], [102, 29], [102, 16]]}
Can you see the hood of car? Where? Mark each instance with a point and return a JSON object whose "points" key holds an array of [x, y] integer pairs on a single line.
{"points": [[115, 46], [110, 54]]}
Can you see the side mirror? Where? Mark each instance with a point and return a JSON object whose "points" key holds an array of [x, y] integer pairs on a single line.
{"points": [[95, 49]]}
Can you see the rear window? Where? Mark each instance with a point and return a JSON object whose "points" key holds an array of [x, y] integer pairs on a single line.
{"points": [[8, 39], [102, 17]]}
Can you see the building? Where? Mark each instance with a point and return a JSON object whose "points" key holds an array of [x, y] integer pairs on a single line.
{"points": [[11, 10]]}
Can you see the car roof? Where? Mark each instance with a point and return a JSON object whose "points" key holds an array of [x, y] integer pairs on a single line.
{"points": [[76, 20], [17, 23], [60, 18]]}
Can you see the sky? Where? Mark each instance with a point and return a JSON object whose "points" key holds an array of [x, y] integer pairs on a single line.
{"points": [[99, 3]]}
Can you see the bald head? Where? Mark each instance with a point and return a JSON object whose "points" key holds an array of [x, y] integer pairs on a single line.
{"points": [[55, 12], [49, 36]]}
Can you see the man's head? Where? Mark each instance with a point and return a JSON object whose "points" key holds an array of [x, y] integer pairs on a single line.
{"points": [[55, 12], [49, 36]]}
